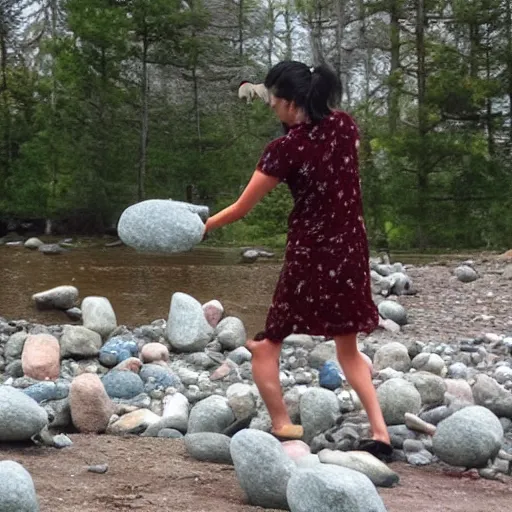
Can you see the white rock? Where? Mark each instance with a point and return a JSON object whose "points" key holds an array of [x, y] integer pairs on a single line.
{"points": [[98, 315], [60, 297]]}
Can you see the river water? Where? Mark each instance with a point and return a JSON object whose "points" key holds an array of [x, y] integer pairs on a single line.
{"points": [[139, 286]]}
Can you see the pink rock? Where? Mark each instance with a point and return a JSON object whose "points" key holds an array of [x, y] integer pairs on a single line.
{"points": [[459, 389], [153, 352], [223, 370], [40, 358], [132, 364], [213, 312], [296, 449], [91, 407]]}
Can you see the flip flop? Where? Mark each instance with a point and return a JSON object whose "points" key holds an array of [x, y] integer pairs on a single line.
{"points": [[288, 433], [379, 449]]}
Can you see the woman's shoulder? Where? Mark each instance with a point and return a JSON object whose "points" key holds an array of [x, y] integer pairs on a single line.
{"points": [[343, 117]]}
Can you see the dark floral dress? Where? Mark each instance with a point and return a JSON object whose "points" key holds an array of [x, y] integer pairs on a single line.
{"points": [[324, 286]]}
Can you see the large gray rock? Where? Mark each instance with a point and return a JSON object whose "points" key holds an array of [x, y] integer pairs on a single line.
{"points": [[17, 491], [466, 274], [431, 387], [122, 384], [488, 393], [187, 327], [209, 447], [468, 438], [212, 414], [392, 355], [319, 409], [33, 243], [241, 400], [392, 310], [14, 346], [230, 333], [79, 342], [60, 297], [262, 468], [159, 225], [20, 416], [98, 315], [329, 488], [396, 397], [321, 353], [364, 462], [432, 363]]}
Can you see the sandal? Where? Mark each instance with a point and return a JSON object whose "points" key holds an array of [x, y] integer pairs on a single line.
{"points": [[379, 449], [288, 433]]}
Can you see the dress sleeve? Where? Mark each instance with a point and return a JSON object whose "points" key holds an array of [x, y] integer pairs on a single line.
{"points": [[278, 159]]}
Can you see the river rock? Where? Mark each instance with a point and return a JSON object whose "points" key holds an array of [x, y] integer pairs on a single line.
{"points": [[389, 309], [458, 370], [51, 249], [17, 491], [321, 353], [90, 405], [154, 352], [98, 315], [213, 312], [176, 408], [187, 328], [33, 243], [230, 333], [458, 389], [396, 397], [60, 297], [431, 387], [296, 449], [329, 488], [209, 447], [78, 342], [41, 357], [466, 274], [134, 422], [21, 417], [241, 400], [432, 363], [132, 364], [156, 376], [116, 350], [14, 346], [319, 409], [262, 468], [121, 384], [59, 413], [392, 355], [330, 376], [468, 438], [48, 390], [380, 474], [488, 393], [159, 225], [212, 414]]}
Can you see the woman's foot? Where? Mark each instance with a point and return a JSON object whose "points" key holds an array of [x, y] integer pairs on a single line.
{"points": [[288, 432]]}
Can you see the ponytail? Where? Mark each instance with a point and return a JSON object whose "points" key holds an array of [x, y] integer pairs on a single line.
{"points": [[315, 90]]}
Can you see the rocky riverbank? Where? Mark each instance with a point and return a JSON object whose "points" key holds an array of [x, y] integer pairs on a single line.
{"points": [[442, 362]]}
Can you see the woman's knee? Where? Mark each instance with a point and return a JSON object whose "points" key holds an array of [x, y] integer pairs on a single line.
{"points": [[346, 345]]}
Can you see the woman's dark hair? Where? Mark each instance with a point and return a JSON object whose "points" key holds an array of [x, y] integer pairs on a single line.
{"points": [[316, 90]]}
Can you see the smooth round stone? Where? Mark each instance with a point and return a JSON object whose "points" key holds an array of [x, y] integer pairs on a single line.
{"points": [[122, 384], [60, 297], [156, 376], [116, 350], [396, 397], [330, 376], [465, 274], [170, 433], [17, 491], [392, 310], [160, 225]]}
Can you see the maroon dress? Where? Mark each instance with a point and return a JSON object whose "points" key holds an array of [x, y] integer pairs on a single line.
{"points": [[324, 286]]}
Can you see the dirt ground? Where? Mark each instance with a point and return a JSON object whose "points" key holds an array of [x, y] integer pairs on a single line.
{"points": [[153, 475]]}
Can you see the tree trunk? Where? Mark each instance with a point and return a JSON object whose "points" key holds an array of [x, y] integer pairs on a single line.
{"points": [[508, 21], [489, 122], [241, 27], [338, 64], [144, 120], [394, 72], [271, 32], [289, 29]]}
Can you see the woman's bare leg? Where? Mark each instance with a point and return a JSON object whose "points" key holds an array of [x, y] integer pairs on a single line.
{"points": [[265, 372], [359, 377]]}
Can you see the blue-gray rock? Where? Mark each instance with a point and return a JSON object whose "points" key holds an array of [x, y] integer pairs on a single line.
{"points": [[420, 458], [396, 397], [488, 393], [209, 447], [59, 413], [458, 371], [48, 390], [212, 414], [319, 409], [159, 225], [78, 342], [392, 355], [187, 328], [330, 376], [436, 415], [98, 315], [17, 491], [468, 438], [240, 355], [20, 416], [230, 333], [389, 309], [117, 349], [380, 474], [155, 376], [74, 313], [466, 274], [62, 441], [122, 384], [170, 433], [60, 297], [262, 467], [399, 434], [14, 346], [14, 369], [328, 488]]}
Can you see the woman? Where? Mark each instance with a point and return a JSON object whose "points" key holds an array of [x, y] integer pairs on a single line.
{"points": [[324, 286]]}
